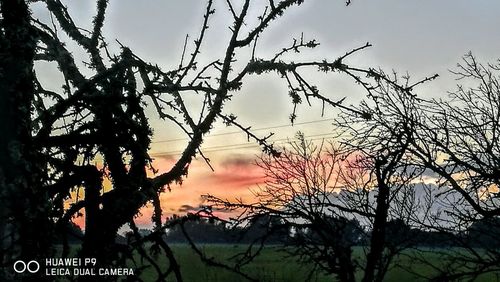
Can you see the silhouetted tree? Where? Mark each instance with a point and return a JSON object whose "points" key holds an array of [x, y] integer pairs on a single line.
{"points": [[454, 142], [59, 142], [23, 207], [334, 197]]}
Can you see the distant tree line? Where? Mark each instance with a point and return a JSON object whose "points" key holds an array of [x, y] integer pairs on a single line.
{"points": [[273, 230], [212, 231]]}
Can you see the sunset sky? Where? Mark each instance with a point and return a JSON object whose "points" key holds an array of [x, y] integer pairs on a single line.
{"points": [[419, 37]]}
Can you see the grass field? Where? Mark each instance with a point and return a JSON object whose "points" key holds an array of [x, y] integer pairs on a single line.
{"points": [[273, 266]]}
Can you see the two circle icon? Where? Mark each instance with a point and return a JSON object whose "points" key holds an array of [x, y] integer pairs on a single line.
{"points": [[21, 266]]}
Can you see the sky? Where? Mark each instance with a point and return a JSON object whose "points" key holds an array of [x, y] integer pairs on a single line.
{"points": [[421, 37]]}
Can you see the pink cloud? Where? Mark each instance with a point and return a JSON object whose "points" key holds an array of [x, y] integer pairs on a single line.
{"points": [[233, 177]]}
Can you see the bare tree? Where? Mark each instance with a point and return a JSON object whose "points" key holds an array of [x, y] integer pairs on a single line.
{"points": [[331, 198], [57, 137], [454, 142], [20, 170]]}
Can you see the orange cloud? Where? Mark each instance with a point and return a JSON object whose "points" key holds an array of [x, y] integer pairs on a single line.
{"points": [[233, 177]]}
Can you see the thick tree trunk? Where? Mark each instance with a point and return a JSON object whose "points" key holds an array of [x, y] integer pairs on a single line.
{"points": [[377, 242], [23, 203]]}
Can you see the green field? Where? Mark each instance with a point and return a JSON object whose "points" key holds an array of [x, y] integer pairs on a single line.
{"points": [[273, 266]]}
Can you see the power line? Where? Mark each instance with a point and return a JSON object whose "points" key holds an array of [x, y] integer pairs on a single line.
{"points": [[239, 131], [241, 145]]}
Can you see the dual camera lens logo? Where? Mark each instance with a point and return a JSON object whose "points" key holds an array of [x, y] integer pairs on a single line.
{"points": [[31, 266]]}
